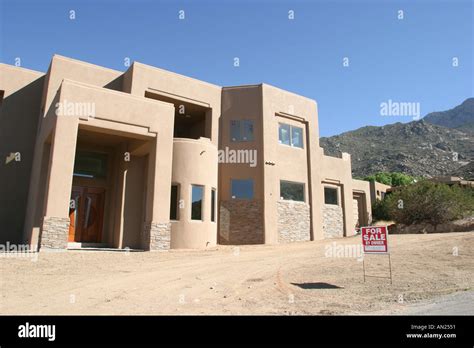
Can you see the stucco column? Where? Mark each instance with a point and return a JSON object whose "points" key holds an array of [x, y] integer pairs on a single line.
{"points": [[55, 227], [157, 228]]}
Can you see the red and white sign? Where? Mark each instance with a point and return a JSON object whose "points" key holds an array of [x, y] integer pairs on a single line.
{"points": [[374, 239]]}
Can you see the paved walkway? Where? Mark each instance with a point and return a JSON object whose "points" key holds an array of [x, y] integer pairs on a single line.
{"points": [[459, 303]]}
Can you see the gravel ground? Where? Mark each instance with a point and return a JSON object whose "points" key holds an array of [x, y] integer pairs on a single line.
{"points": [[321, 277]]}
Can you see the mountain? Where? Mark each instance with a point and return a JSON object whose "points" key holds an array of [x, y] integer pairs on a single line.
{"points": [[461, 117], [420, 148], [466, 171]]}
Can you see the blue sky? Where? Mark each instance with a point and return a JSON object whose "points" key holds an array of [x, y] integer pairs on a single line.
{"points": [[407, 60]]}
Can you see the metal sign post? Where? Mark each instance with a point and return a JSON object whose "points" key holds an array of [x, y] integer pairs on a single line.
{"points": [[373, 276], [375, 241]]}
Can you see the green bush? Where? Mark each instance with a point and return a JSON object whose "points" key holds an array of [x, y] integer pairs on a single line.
{"points": [[426, 202], [392, 179], [380, 210]]}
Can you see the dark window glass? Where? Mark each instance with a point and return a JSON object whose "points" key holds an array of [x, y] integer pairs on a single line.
{"points": [[90, 164], [293, 191], [196, 202], [235, 130], [247, 130], [242, 188], [330, 195], [241, 130], [213, 205], [174, 202]]}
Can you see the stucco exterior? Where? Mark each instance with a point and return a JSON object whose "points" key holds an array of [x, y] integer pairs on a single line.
{"points": [[160, 145]]}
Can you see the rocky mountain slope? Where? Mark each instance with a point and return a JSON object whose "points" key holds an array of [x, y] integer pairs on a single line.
{"points": [[419, 148], [461, 117]]}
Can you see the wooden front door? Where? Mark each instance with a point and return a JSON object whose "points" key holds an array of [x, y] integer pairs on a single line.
{"points": [[86, 214]]}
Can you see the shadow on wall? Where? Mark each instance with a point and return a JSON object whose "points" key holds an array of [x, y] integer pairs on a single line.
{"points": [[19, 113]]}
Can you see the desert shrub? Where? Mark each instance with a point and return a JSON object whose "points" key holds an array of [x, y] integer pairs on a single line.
{"points": [[428, 202], [380, 210]]}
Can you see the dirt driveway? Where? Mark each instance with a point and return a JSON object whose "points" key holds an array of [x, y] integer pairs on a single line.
{"points": [[322, 277]]}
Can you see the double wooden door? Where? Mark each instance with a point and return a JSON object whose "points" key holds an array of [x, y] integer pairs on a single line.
{"points": [[86, 214]]}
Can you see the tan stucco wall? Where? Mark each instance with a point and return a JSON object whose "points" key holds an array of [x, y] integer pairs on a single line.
{"points": [[194, 163], [127, 105], [363, 187], [338, 171], [18, 127], [376, 190], [144, 78]]}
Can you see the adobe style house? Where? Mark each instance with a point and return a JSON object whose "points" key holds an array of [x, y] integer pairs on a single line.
{"points": [[149, 159]]}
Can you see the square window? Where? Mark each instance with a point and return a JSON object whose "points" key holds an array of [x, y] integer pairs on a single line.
{"points": [[242, 188], [330, 196], [293, 191]]}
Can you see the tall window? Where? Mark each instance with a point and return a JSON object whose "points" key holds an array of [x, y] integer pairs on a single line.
{"points": [[196, 202], [330, 195], [174, 202], [242, 188], [290, 135], [213, 205], [293, 191], [241, 130]]}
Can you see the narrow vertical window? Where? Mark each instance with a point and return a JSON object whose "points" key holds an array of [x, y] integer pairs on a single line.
{"points": [[213, 205], [247, 130], [235, 130], [174, 202], [297, 137], [284, 134], [196, 202]]}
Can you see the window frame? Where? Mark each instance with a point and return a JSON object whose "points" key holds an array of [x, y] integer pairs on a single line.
{"points": [[202, 202], [241, 124], [337, 195], [291, 127], [245, 179], [293, 182], [213, 204], [178, 192]]}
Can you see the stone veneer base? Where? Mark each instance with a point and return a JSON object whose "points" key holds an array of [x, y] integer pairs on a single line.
{"points": [[54, 233], [294, 221], [333, 221], [157, 236], [241, 222]]}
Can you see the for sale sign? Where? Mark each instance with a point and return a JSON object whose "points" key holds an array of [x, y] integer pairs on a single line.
{"points": [[374, 239]]}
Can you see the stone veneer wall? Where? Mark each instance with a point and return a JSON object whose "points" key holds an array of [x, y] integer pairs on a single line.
{"points": [[294, 221], [241, 222], [157, 236], [55, 233], [333, 221]]}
